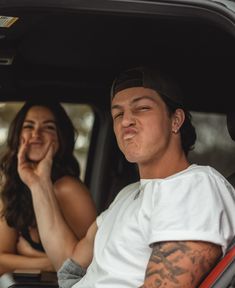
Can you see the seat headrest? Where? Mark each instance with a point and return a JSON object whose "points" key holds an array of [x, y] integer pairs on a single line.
{"points": [[231, 124]]}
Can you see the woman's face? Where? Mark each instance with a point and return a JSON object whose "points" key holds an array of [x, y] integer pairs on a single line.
{"points": [[39, 130]]}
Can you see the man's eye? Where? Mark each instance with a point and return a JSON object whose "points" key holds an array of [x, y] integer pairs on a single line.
{"points": [[118, 115], [143, 108]]}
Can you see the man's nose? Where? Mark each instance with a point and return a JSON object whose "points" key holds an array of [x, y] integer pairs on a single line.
{"points": [[128, 119]]}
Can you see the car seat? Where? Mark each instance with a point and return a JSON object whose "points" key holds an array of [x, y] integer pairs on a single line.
{"points": [[223, 274], [231, 130]]}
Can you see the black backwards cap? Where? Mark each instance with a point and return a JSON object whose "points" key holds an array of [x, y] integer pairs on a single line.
{"points": [[148, 78]]}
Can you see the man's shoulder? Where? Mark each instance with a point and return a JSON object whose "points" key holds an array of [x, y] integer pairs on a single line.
{"points": [[206, 170], [203, 170], [129, 188], [206, 175], [125, 191]]}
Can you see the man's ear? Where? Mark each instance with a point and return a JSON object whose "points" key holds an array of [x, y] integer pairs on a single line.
{"points": [[177, 120]]}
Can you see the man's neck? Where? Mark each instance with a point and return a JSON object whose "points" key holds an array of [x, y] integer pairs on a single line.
{"points": [[164, 167]]}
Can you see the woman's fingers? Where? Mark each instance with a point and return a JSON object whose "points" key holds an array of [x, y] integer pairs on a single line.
{"points": [[29, 171], [22, 152], [50, 152]]}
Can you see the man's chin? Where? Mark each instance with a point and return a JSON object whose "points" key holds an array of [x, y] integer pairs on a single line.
{"points": [[131, 158]]}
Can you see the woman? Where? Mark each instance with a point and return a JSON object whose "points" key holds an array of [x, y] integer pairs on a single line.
{"points": [[40, 124]]}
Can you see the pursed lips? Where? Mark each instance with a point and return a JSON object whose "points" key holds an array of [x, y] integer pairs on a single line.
{"points": [[129, 133]]}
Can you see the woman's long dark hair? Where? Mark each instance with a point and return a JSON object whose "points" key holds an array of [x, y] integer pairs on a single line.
{"points": [[15, 195]]}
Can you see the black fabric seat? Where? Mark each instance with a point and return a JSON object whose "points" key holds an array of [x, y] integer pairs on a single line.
{"points": [[231, 130]]}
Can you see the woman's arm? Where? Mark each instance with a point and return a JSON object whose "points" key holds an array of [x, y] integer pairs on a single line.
{"points": [[10, 260], [180, 264], [23, 247], [76, 204], [58, 239]]}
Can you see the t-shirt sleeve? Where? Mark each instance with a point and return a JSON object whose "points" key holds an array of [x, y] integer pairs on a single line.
{"points": [[100, 218], [196, 208], [128, 189]]}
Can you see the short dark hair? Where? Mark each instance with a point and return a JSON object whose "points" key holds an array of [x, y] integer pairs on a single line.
{"points": [[167, 88], [151, 78], [187, 130]]}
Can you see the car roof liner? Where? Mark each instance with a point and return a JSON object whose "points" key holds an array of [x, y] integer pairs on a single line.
{"points": [[73, 49]]}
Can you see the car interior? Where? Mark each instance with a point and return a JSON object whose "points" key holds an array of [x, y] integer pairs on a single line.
{"points": [[222, 274], [72, 52]]}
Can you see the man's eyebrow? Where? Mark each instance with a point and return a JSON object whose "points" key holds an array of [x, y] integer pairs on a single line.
{"points": [[116, 106], [136, 99]]}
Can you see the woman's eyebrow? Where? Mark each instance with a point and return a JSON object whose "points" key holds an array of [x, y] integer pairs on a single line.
{"points": [[28, 121], [45, 122], [50, 121]]}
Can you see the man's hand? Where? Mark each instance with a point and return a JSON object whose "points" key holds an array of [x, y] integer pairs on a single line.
{"points": [[31, 172]]}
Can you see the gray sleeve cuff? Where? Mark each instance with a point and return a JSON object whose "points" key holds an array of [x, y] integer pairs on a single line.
{"points": [[69, 274]]}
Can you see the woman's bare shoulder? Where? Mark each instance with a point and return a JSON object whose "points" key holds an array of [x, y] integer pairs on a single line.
{"points": [[69, 184], [76, 203]]}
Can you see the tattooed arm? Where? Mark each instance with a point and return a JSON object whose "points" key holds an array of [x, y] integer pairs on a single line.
{"points": [[180, 264]]}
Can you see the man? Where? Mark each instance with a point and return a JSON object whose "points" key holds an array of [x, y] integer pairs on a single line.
{"points": [[168, 229]]}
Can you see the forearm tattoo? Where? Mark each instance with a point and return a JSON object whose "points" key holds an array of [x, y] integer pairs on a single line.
{"points": [[180, 264]]}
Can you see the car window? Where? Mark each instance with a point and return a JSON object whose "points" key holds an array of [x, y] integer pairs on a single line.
{"points": [[81, 115], [214, 145]]}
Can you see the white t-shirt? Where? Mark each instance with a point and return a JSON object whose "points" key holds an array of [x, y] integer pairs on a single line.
{"points": [[195, 204]]}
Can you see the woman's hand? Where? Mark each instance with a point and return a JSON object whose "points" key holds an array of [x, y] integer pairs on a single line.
{"points": [[24, 248], [31, 172]]}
